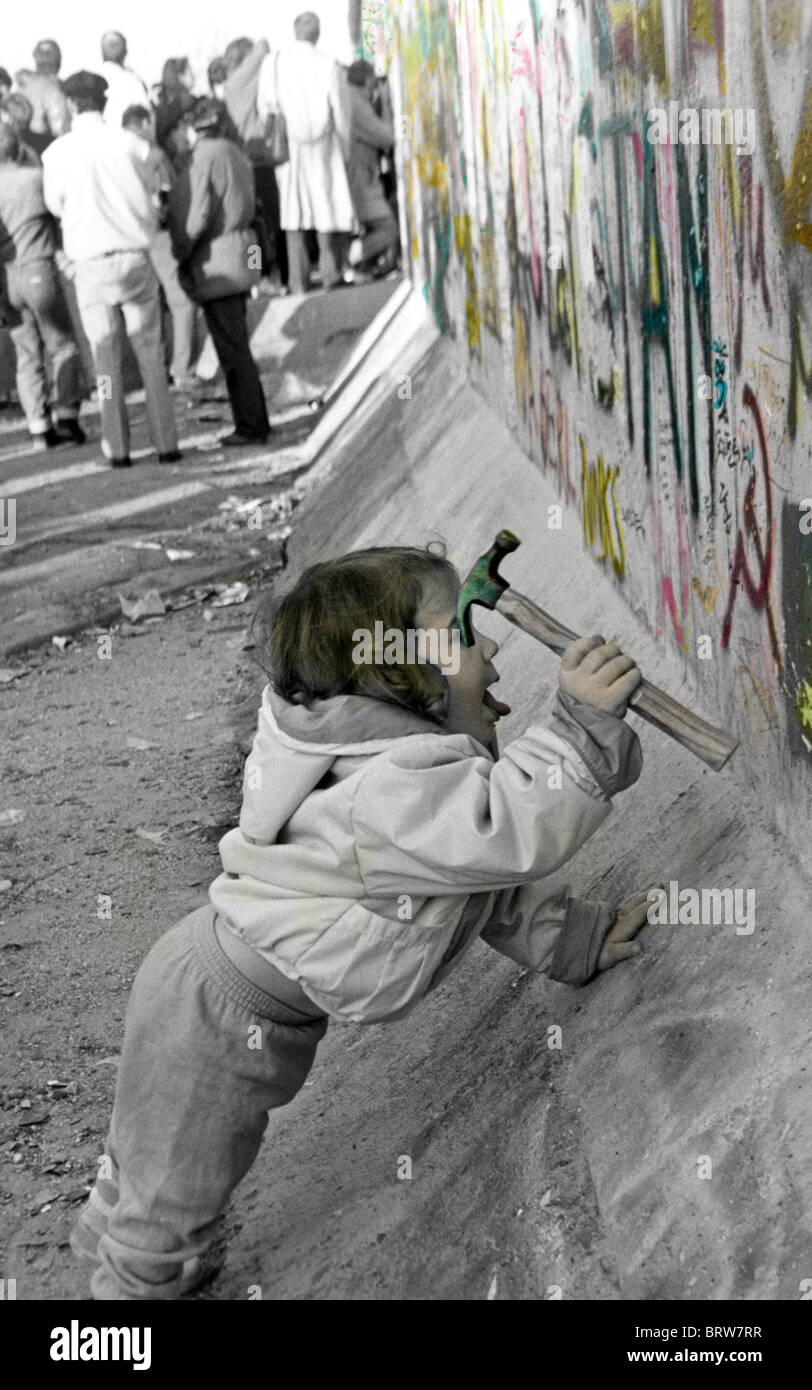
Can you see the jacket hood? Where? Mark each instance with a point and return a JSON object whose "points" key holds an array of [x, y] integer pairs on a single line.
{"points": [[295, 746]]}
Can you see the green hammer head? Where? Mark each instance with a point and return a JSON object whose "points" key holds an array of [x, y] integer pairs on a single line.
{"points": [[484, 584]]}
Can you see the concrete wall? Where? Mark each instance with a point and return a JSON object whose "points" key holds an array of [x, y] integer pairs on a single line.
{"points": [[670, 1154], [639, 313]]}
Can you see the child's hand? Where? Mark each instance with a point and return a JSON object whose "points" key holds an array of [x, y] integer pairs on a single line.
{"points": [[631, 916], [598, 673]]}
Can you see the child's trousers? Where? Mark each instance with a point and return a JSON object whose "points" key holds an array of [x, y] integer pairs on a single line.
{"points": [[206, 1054]]}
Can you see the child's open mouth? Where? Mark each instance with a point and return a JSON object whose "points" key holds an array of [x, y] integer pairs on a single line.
{"points": [[497, 707]]}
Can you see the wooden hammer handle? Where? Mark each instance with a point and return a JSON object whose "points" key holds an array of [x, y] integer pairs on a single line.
{"points": [[712, 745]]}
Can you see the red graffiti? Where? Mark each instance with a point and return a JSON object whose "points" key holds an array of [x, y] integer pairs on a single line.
{"points": [[740, 573]]}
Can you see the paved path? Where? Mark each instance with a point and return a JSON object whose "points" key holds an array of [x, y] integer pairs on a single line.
{"points": [[84, 530]]}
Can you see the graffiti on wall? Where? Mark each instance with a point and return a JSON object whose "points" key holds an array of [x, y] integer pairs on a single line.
{"points": [[609, 205]]}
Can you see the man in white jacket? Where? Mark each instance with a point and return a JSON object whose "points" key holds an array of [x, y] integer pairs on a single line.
{"points": [[310, 89], [378, 839], [96, 183]]}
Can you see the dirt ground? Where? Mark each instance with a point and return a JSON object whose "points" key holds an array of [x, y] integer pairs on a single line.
{"points": [[122, 806]]}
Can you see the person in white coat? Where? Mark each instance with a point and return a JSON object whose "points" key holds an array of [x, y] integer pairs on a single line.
{"points": [[379, 838], [310, 89], [97, 185]]}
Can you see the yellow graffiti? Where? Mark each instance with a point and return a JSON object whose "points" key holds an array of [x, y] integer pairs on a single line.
{"points": [[803, 705], [488, 262], [651, 40], [567, 285], [422, 114], [701, 29], [432, 171], [647, 26], [792, 192], [784, 18], [411, 221], [761, 716], [522, 375], [707, 594], [596, 485], [489, 270], [654, 274], [464, 244], [701, 21], [621, 12]]}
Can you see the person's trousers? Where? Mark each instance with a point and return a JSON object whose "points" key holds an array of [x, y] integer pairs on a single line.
{"points": [[331, 248], [183, 312], [228, 325], [119, 294], [379, 237], [44, 345], [206, 1055], [267, 191]]}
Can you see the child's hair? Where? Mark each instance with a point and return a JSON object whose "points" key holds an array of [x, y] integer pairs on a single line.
{"points": [[305, 638]]}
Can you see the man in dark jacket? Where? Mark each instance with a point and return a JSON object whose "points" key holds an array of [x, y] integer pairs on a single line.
{"points": [[211, 215]]}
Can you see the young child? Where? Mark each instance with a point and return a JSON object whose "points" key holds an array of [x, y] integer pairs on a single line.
{"points": [[379, 837]]}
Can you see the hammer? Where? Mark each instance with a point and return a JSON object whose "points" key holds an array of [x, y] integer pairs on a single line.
{"points": [[485, 585]]}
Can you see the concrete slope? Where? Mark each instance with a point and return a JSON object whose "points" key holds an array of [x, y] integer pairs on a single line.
{"points": [[661, 1151]]}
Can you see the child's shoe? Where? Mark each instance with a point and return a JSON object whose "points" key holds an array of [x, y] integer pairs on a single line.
{"points": [[91, 1225]]}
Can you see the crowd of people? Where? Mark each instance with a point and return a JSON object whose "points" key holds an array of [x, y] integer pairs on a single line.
{"points": [[148, 210]]}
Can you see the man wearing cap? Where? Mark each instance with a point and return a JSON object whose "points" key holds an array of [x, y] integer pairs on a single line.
{"points": [[97, 185], [49, 107], [211, 216], [309, 88]]}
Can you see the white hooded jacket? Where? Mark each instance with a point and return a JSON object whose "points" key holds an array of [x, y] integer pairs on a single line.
{"points": [[373, 848]]}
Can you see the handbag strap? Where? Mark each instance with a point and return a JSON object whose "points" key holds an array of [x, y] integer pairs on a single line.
{"points": [[277, 111]]}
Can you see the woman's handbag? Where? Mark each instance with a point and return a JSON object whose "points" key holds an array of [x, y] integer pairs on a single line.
{"points": [[276, 128]]}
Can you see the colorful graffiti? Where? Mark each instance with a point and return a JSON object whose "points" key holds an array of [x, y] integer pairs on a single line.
{"points": [[649, 304]]}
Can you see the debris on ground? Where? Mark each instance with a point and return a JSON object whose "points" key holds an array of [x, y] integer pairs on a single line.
{"points": [[155, 837], [149, 605], [236, 504], [230, 594]]}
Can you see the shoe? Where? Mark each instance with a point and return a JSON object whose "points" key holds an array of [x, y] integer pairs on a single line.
{"points": [[49, 439], [126, 462], [72, 431], [91, 1225], [174, 456], [235, 440]]}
